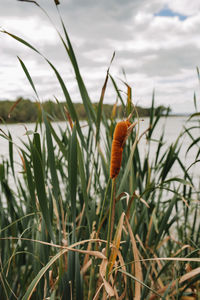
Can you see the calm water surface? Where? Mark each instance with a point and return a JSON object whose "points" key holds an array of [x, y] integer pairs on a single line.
{"points": [[173, 126]]}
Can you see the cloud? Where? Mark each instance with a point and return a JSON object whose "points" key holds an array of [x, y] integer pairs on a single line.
{"points": [[185, 7], [155, 51]]}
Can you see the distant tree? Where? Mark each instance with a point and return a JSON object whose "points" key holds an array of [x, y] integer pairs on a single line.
{"points": [[24, 110]]}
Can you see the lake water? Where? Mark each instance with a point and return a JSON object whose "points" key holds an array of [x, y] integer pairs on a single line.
{"points": [[173, 127]]}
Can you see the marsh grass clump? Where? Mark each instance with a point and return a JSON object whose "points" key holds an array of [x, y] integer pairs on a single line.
{"points": [[57, 239]]}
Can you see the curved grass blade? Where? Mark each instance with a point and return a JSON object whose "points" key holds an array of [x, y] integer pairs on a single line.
{"points": [[193, 143], [140, 282], [61, 146], [83, 91], [18, 220], [100, 105], [197, 114], [69, 103], [117, 90], [170, 160], [64, 89], [28, 77], [36, 280]]}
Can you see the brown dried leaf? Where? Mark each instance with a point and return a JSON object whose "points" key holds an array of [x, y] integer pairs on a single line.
{"points": [[116, 242], [142, 200], [13, 107], [113, 114], [188, 298], [129, 130], [68, 117], [22, 159], [190, 275], [108, 288], [97, 292], [93, 253], [123, 194], [138, 269], [182, 279], [85, 267], [102, 268]]}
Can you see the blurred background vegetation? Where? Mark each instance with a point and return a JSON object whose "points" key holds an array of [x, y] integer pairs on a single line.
{"points": [[27, 111]]}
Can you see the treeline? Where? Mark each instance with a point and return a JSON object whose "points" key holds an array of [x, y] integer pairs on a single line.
{"points": [[24, 110]]}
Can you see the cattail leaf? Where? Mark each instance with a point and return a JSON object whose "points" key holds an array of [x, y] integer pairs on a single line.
{"points": [[192, 144], [170, 160], [51, 160], [62, 148], [36, 280], [195, 101], [30, 181], [117, 90], [83, 91], [29, 1], [40, 185], [64, 89], [165, 219], [21, 40], [129, 99], [11, 154], [100, 105], [83, 184], [18, 220], [28, 76], [69, 103], [78, 278], [197, 114], [2, 172], [104, 164], [152, 113], [37, 143], [184, 182], [72, 172]]}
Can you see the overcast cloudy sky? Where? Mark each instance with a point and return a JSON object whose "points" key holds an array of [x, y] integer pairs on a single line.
{"points": [[157, 43]]}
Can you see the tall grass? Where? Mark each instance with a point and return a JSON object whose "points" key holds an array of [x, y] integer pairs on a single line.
{"points": [[54, 218]]}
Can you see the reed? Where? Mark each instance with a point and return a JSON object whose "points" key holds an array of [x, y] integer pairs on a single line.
{"points": [[55, 227]]}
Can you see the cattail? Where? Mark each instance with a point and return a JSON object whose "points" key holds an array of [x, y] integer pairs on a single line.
{"points": [[120, 134]]}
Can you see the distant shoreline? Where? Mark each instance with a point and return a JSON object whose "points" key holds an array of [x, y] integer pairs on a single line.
{"points": [[26, 111]]}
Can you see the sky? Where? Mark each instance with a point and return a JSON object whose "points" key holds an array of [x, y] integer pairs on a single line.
{"points": [[156, 44]]}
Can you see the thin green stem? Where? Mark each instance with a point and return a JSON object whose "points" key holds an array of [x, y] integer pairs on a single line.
{"points": [[110, 223], [104, 200]]}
